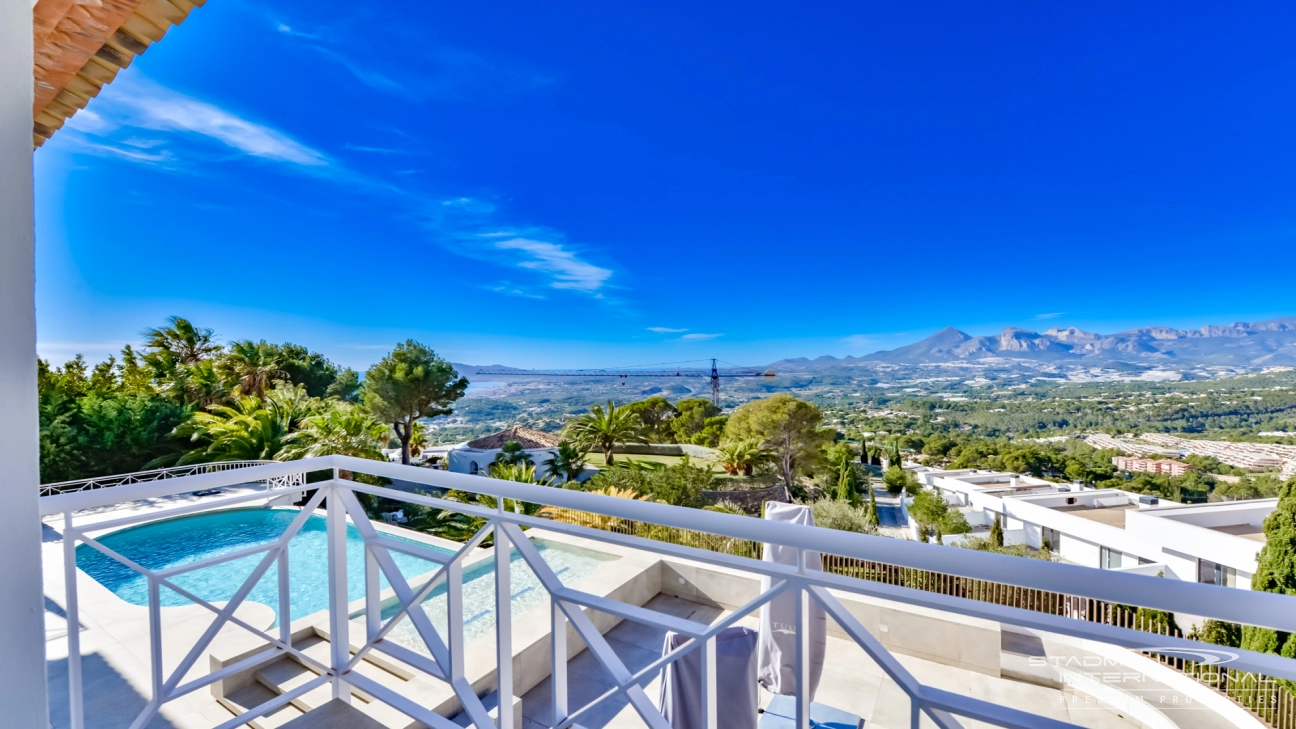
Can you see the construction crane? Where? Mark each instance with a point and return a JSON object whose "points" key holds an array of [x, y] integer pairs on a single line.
{"points": [[714, 373]]}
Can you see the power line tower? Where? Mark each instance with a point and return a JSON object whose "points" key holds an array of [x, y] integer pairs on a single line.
{"points": [[715, 384]]}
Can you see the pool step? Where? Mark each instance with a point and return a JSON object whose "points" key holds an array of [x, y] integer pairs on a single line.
{"points": [[378, 668], [288, 673], [254, 695]]}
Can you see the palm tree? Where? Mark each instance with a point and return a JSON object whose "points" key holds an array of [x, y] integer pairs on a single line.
{"points": [[568, 462], [603, 429], [250, 429], [245, 431], [199, 383], [519, 472], [343, 430], [181, 338], [743, 456], [251, 366], [513, 454]]}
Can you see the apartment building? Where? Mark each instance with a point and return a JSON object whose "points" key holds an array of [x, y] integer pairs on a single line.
{"points": [[1148, 465]]}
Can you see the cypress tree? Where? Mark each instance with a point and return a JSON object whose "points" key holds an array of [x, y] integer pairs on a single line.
{"points": [[1276, 572], [996, 534], [846, 484], [864, 458], [871, 513]]}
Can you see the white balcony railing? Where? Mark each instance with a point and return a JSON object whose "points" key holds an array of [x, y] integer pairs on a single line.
{"points": [[445, 655], [158, 474]]}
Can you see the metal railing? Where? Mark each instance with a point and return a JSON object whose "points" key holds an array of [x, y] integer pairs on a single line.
{"points": [[808, 589], [1269, 699], [157, 474]]}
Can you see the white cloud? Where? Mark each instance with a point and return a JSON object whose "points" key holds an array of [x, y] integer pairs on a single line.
{"points": [[699, 336], [1052, 315], [373, 150], [859, 341], [142, 104], [666, 330], [474, 206], [508, 289], [134, 155], [568, 271]]}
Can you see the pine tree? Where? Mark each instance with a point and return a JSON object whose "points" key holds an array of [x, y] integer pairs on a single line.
{"points": [[1276, 572]]}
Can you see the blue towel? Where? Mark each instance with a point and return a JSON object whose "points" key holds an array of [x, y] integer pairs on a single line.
{"points": [[781, 714]]}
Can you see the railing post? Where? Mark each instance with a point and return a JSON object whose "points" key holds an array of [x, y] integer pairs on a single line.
{"points": [[503, 625], [285, 599], [455, 619], [558, 636], [802, 648], [155, 638], [339, 626], [76, 709], [709, 699], [373, 593]]}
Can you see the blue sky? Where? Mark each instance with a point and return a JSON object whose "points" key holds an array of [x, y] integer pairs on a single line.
{"points": [[590, 184]]}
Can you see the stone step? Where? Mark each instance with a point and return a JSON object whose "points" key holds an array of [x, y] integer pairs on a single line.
{"points": [[383, 670], [287, 674], [334, 714], [254, 695]]}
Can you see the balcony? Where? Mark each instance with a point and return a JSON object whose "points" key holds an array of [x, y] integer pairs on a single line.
{"points": [[292, 602]]}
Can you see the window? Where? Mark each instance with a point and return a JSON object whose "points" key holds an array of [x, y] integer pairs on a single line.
{"points": [[1110, 559], [472, 468], [1213, 573], [1050, 538]]}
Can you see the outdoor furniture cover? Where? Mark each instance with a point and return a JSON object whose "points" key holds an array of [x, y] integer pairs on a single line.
{"points": [[777, 670], [781, 714], [737, 695]]}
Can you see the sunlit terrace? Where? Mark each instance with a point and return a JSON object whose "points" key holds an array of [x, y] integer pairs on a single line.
{"points": [[258, 596]]}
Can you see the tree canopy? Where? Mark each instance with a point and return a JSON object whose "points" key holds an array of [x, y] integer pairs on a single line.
{"points": [[411, 383], [790, 428], [603, 429], [1276, 572]]}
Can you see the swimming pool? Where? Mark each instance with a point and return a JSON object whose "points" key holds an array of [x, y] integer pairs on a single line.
{"points": [[184, 540]]}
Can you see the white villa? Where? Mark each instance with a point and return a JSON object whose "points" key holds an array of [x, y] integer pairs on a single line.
{"points": [[475, 456], [1113, 529]]}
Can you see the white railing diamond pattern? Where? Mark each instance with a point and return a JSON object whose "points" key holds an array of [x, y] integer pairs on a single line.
{"points": [[446, 661]]}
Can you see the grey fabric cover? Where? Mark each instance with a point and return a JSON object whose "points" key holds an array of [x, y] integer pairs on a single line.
{"points": [[777, 672], [737, 696]]}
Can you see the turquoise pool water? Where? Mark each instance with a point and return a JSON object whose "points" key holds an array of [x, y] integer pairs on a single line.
{"points": [[172, 542]]}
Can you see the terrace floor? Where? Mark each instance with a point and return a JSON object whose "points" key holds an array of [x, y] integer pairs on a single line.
{"points": [[851, 682]]}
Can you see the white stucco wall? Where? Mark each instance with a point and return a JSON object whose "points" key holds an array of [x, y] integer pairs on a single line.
{"points": [[22, 629], [461, 460], [1183, 530]]}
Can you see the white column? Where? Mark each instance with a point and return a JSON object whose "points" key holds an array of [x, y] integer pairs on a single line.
{"points": [[22, 626], [339, 625], [503, 626]]}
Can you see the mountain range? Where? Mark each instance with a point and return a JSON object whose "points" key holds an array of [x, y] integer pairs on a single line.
{"points": [[1257, 344]]}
